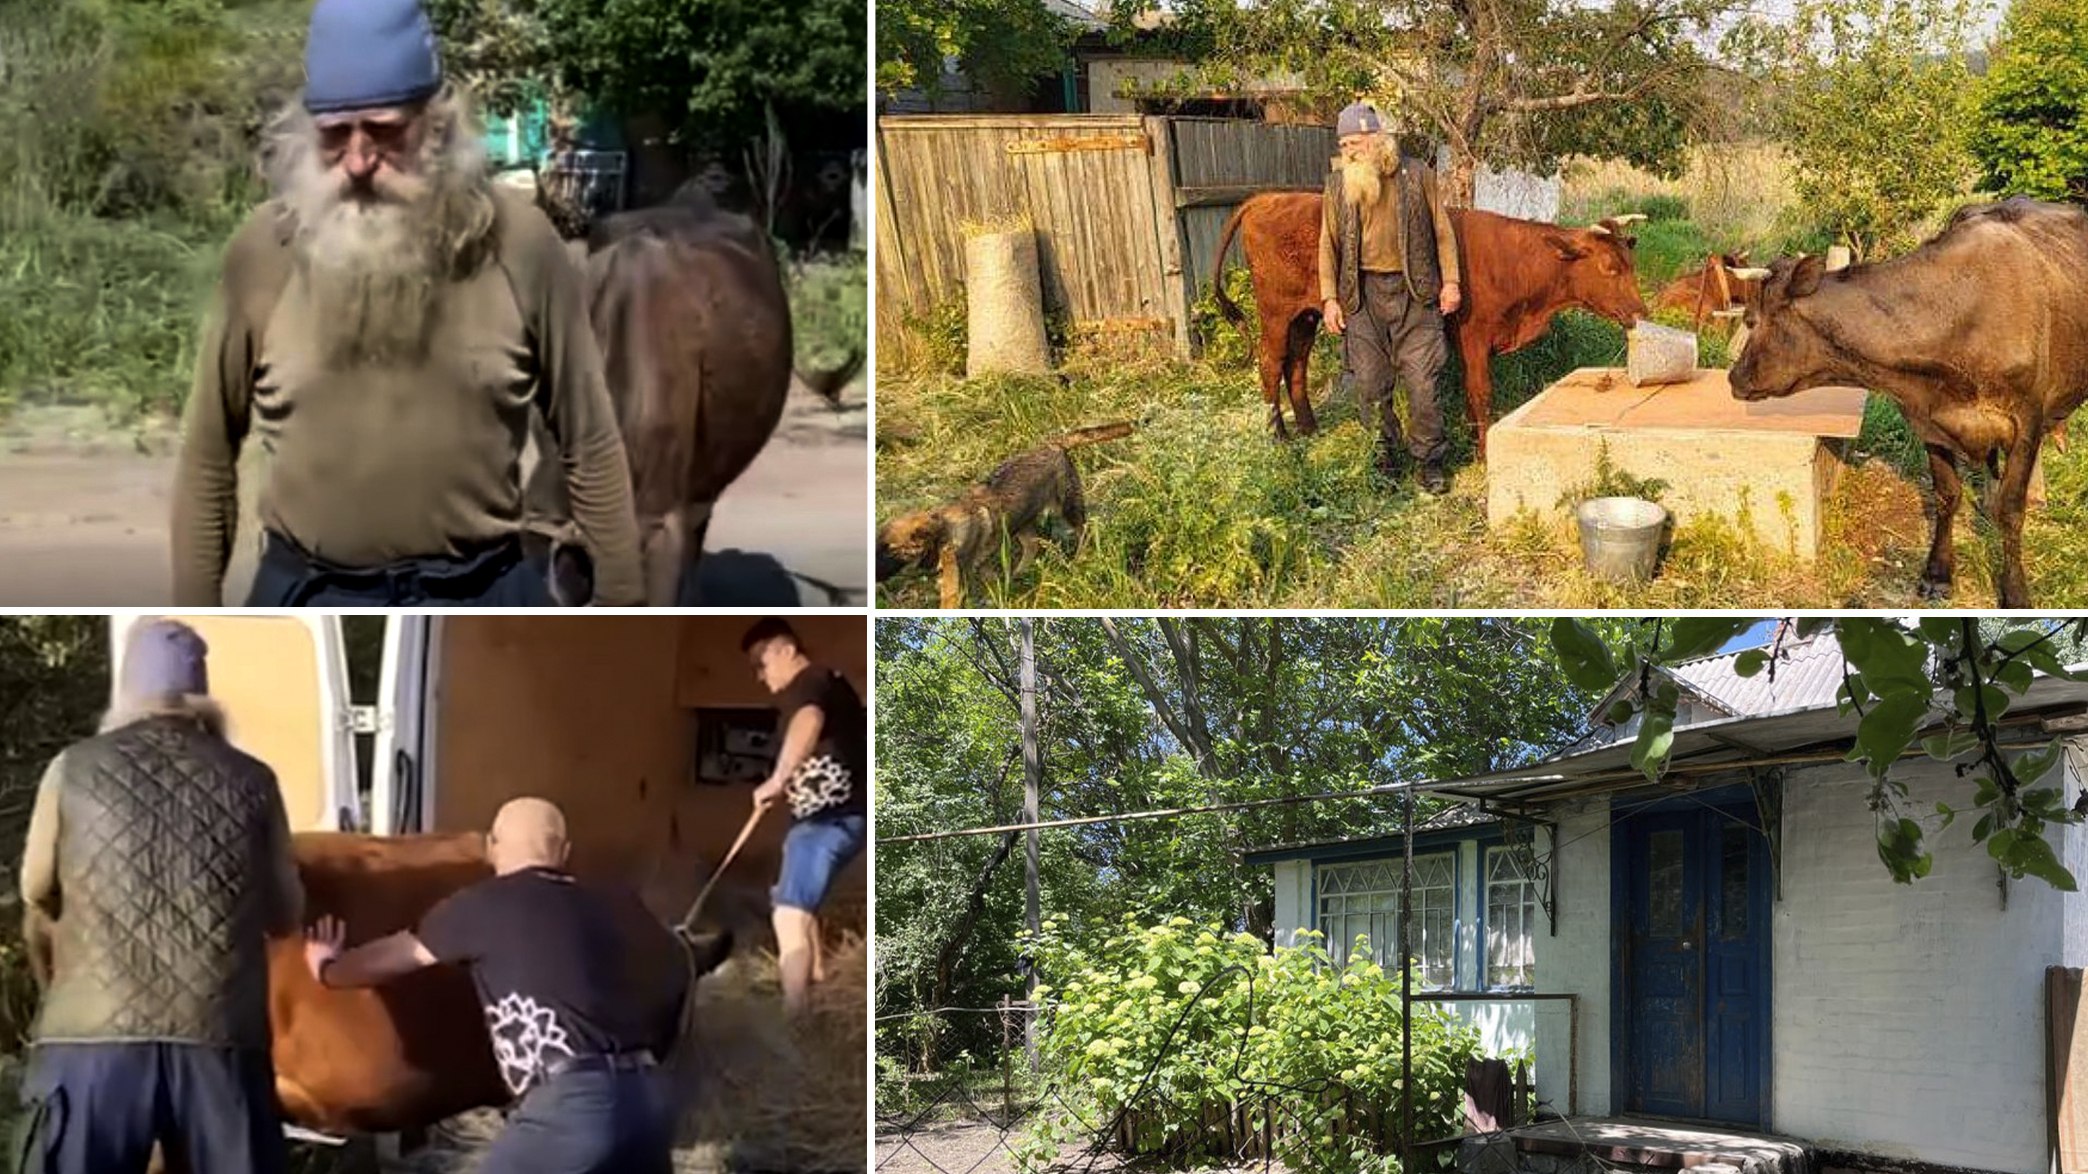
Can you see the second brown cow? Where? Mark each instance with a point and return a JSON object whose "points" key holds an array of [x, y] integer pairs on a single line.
{"points": [[1518, 275]]}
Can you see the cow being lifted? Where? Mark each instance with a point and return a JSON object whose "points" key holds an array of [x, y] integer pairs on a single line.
{"points": [[1980, 336], [407, 1055], [1518, 274]]}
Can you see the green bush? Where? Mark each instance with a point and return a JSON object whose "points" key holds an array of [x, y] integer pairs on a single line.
{"points": [[2030, 133], [829, 308], [1179, 1025]]}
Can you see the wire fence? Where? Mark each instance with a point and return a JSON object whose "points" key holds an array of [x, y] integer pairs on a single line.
{"points": [[978, 1115]]}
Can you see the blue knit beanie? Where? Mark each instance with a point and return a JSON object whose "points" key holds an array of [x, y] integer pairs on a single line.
{"points": [[1357, 118], [363, 54], [165, 658]]}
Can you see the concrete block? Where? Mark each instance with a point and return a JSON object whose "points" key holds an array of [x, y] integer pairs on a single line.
{"points": [[1772, 464], [1491, 1153]]}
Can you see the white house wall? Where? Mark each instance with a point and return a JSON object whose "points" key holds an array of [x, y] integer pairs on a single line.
{"points": [[2076, 859], [1293, 900], [1576, 960], [1907, 1017]]}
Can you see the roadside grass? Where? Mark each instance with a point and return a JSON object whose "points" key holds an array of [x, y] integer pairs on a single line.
{"points": [[829, 307]]}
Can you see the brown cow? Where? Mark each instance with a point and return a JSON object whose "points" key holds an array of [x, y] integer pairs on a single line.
{"points": [[688, 307], [1980, 336], [414, 1051], [1518, 274], [1713, 289]]}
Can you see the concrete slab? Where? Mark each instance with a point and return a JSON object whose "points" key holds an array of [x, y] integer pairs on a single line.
{"points": [[1661, 1145], [1771, 464]]}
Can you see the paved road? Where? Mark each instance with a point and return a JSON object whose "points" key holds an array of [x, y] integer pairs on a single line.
{"points": [[83, 520]]}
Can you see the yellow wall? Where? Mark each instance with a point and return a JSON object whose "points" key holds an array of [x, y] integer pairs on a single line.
{"points": [[595, 714], [264, 673]]}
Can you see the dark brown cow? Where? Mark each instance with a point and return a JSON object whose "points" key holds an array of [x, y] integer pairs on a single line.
{"points": [[1713, 289], [411, 1052], [688, 307], [1980, 336], [1518, 274]]}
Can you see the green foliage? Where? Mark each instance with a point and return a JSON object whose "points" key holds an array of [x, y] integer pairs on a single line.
{"points": [[829, 308], [1519, 83], [1179, 1023], [1610, 481], [1897, 671], [710, 68], [1265, 708], [1874, 100], [1003, 45], [2031, 133], [54, 684]]}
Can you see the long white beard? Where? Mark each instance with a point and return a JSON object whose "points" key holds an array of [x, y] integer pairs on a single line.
{"points": [[1363, 179], [370, 271]]}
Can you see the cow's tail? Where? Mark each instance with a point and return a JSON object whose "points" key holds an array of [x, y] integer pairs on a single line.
{"points": [[828, 384], [1094, 434], [1226, 306]]}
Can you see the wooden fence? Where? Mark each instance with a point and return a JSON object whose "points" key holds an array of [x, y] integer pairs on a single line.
{"points": [[1128, 209]]}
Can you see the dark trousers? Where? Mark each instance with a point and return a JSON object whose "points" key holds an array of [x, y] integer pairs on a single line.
{"points": [[498, 576], [589, 1122], [1394, 337], [95, 1108]]}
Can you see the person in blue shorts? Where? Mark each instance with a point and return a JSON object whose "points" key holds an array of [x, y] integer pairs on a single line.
{"points": [[821, 771]]}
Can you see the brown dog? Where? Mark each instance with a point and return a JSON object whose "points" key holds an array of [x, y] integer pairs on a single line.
{"points": [[960, 536]]}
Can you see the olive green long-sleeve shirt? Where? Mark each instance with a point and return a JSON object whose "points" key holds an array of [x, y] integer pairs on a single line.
{"points": [[387, 462], [1381, 237]]}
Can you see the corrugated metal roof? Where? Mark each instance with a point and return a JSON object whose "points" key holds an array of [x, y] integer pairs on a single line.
{"points": [[1804, 674]]}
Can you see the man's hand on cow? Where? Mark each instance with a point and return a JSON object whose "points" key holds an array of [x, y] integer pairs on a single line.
{"points": [[1330, 313], [1452, 298], [323, 942]]}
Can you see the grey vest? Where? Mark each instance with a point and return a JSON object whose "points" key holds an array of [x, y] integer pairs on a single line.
{"points": [[1417, 238], [164, 833]]}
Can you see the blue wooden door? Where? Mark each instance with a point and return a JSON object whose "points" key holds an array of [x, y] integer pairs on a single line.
{"points": [[1695, 965]]}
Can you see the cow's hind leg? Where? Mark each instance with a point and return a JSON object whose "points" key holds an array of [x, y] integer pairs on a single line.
{"points": [[1297, 353], [1949, 490], [1478, 387], [1273, 363], [696, 520], [662, 550], [2015, 492]]}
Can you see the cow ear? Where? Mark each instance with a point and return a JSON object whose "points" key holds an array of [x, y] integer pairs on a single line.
{"points": [[1567, 250], [1805, 276]]}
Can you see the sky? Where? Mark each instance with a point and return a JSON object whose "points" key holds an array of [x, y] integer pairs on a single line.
{"points": [[1756, 635]]}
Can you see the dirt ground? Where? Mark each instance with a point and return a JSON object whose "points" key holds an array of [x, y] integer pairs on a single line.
{"points": [[84, 510]]}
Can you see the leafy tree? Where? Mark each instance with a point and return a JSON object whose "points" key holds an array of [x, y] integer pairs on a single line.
{"points": [[2031, 133], [711, 68], [1001, 44], [1519, 83], [1147, 714], [1898, 672], [1873, 98]]}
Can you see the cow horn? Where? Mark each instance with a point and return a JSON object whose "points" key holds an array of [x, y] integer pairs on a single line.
{"points": [[1600, 229], [1627, 218], [1727, 313], [1752, 274]]}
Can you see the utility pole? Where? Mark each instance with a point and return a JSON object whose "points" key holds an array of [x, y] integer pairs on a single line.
{"points": [[1406, 997], [1032, 782]]}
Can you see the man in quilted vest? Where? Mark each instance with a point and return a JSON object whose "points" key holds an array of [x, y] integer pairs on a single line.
{"points": [[1388, 274], [386, 329], [161, 856], [821, 769]]}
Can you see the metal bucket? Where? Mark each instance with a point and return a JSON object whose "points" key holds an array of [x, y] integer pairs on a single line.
{"points": [[1620, 537]]}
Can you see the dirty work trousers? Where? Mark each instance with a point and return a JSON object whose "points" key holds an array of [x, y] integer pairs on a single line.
{"points": [[1393, 337], [498, 576], [97, 1108], [589, 1121]]}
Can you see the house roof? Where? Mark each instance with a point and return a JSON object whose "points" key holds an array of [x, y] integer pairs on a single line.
{"points": [[1806, 673], [1077, 13], [1456, 818]]}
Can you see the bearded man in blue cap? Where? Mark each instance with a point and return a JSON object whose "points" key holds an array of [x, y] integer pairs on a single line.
{"points": [[385, 326], [157, 865], [1388, 274]]}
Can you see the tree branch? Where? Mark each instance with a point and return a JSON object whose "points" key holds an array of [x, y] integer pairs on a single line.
{"points": [[1154, 696]]}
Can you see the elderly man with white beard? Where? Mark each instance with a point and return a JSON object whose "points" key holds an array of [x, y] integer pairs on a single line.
{"points": [[1388, 274], [384, 327]]}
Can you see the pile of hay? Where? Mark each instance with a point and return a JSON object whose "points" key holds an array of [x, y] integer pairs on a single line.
{"points": [[770, 1094], [760, 1094]]}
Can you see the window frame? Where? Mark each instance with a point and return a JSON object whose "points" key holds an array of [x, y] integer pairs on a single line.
{"points": [[1531, 906], [1384, 949]]}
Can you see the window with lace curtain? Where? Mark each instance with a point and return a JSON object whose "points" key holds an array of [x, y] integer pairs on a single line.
{"points": [[1361, 898], [1511, 914]]}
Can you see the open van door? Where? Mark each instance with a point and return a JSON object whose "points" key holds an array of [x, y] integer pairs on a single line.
{"points": [[401, 794], [283, 684]]}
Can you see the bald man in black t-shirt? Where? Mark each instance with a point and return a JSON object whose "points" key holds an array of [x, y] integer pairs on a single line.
{"points": [[570, 1035]]}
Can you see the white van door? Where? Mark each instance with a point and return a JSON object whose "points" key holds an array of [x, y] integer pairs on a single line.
{"points": [[401, 784], [283, 684]]}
